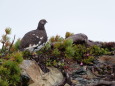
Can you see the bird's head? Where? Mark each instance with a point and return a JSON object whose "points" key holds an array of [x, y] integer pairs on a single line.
{"points": [[42, 21]]}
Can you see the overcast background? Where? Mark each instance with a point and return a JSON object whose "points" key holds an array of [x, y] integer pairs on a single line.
{"points": [[95, 18]]}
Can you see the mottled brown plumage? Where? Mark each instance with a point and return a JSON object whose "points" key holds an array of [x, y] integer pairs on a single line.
{"points": [[35, 38]]}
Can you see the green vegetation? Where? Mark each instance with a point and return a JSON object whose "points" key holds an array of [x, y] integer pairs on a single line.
{"points": [[68, 34], [6, 44], [66, 49], [10, 58], [9, 69]]}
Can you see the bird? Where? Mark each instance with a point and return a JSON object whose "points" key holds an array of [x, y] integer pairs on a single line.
{"points": [[34, 40]]}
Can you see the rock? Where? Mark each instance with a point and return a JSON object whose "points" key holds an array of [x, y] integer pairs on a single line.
{"points": [[81, 75], [104, 83], [92, 43], [107, 59], [90, 75], [75, 81], [79, 38], [37, 77], [66, 85]]}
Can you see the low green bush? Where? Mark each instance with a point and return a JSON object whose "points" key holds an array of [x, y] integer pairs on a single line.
{"points": [[10, 58], [67, 49]]}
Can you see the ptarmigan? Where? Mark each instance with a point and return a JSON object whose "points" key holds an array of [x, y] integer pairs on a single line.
{"points": [[35, 39]]}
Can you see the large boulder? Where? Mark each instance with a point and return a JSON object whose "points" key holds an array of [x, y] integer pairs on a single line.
{"points": [[79, 38], [38, 77]]}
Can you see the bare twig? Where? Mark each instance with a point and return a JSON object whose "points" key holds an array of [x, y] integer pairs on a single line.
{"points": [[2, 47], [11, 44], [3, 42]]}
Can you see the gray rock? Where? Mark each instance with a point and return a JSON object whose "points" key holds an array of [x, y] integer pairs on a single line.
{"points": [[92, 43], [80, 37], [37, 77]]}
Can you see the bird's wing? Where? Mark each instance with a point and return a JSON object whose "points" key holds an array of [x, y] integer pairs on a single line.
{"points": [[30, 38]]}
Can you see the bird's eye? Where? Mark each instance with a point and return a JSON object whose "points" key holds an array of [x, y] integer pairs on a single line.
{"points": [[42, 22]]}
